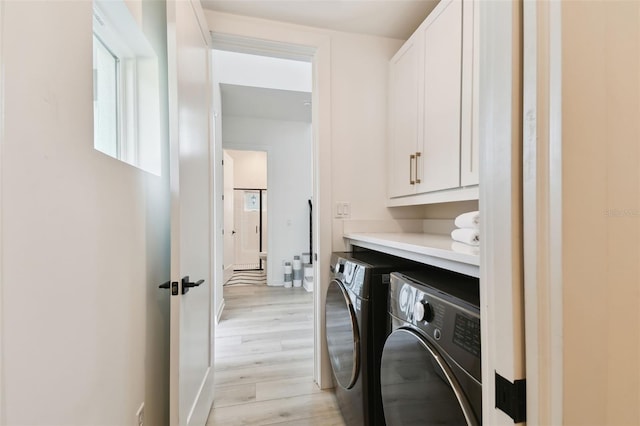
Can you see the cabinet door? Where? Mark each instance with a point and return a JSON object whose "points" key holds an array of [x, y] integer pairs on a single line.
{"points": [[469, 137], [439, 167], [404, 107]]}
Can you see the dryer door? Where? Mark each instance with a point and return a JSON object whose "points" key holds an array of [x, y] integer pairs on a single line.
{"points": [[343, 339], [418, 387]]}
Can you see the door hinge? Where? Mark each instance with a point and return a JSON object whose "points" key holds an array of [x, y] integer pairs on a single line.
{"points": [[223, 198], [512, 398]]}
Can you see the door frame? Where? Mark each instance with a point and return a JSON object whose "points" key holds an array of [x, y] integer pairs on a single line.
{"points": [[498, 40], [227, 269], [260, 248], [239, 34], [542, 215], [243, 147], [2, 397], [530, 129]]}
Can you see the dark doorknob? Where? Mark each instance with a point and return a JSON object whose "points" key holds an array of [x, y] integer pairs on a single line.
{"points": [[186, 285], [172, 285]]}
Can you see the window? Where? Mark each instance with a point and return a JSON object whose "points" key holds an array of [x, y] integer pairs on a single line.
{"points": [[251, 201], [126, 89], [106, 126]]}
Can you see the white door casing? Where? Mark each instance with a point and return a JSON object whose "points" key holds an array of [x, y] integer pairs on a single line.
{"points": [[542, 212], [241, 33], [229, 235], [191, 352], [2, 421], [501, 263]]}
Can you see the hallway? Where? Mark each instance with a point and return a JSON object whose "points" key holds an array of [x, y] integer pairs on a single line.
{"points": [[264, 360]]}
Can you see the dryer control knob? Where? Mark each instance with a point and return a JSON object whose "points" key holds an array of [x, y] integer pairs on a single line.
{"points": [[423, 311]]}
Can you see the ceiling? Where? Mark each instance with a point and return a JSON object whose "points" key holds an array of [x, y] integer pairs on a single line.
{"points": [[386, 18], [258, 102]]}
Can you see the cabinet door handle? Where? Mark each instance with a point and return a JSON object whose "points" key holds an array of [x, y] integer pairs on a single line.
{"points": [[418, 154], [411, 158]]}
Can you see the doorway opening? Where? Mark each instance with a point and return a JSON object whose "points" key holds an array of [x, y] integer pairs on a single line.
{"points": [[245, 213], [263, 106], [250, 212]]}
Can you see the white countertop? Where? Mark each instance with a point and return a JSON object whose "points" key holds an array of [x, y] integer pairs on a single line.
{"points": [[431, 249]]}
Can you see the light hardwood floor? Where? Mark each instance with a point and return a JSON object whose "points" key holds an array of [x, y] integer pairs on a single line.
{"points": [[264, 361]]}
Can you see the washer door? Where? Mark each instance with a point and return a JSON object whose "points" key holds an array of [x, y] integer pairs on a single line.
{"points": [[343, 339], [418, 387]]}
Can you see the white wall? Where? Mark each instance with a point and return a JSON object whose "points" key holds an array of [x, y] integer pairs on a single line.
{"points": [[244, 69], [249, 168], [288, 183], [84, 236]]}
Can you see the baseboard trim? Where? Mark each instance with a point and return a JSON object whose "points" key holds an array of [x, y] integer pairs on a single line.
{"points": [[219, 313]]}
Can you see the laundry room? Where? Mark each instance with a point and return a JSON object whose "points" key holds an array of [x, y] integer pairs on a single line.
{"points": [[350, 213]]}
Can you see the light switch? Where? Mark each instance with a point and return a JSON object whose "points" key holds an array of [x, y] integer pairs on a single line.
{"points": [[343, 210], [346, 210]]}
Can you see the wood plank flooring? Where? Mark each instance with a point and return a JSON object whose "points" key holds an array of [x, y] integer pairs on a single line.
{"points": [[264, 361]]}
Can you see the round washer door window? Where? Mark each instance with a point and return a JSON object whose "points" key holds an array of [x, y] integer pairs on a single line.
{"points": [[417, 387], [343, 339]]}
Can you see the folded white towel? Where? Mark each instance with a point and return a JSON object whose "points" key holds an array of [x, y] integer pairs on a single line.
{"points": [[468, 220], [465, 248], [467, 236]]}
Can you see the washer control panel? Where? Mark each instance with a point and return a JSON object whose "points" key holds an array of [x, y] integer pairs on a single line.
{"points": [[350, 273], [448, 322]]}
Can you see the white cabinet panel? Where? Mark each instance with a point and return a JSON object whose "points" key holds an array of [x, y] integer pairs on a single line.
{"points": [[440, 165], [404, 112], [469, 137]]}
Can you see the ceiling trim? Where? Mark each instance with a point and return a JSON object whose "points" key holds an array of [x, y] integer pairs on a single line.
{"points": [[254, 46]]}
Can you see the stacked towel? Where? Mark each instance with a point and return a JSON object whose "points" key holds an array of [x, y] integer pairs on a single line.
{"points": [[468, 228], [469, 220]]}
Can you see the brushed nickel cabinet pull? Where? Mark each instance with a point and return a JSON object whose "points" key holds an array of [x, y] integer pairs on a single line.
{"points": [[411, 158], [418, 154]]}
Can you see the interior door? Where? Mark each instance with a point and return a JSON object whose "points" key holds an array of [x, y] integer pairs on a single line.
{"points": [[247, 222], [229, 223], [191, 362]]}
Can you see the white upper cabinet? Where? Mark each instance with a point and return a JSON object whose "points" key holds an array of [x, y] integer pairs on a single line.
{"points": [[405, 109], [432, 147], [439, 167], [469, 146]]}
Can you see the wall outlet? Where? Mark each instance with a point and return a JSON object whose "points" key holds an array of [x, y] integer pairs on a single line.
{"points": [[343, 210], [140, 415]]}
